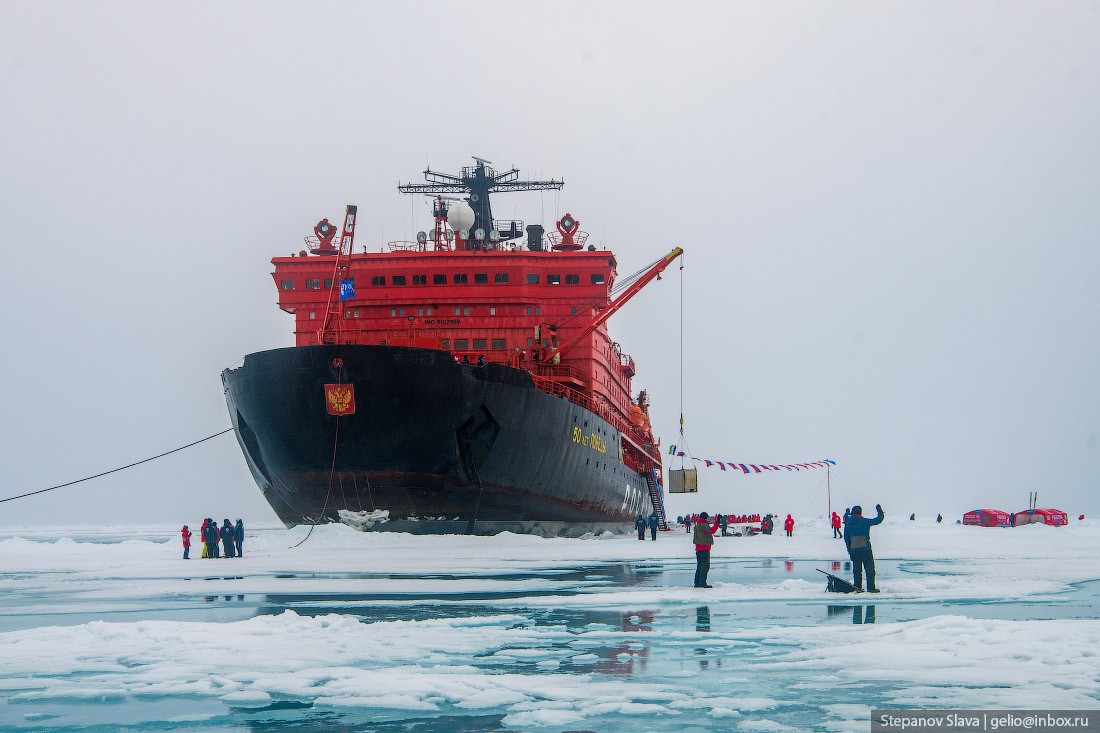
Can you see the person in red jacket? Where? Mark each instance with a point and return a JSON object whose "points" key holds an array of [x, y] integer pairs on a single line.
{"points": [[788, 525], [704, 540], [186, 542], [836, 525]]}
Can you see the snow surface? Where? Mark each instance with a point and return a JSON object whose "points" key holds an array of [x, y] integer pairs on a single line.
{"points": [[126, 635]]}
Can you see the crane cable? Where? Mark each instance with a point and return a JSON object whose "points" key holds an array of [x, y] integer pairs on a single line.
{"points": [[115, 470], [683, 440]]}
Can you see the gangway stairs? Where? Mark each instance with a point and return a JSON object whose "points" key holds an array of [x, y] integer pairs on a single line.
{"points": [[656, 499]]}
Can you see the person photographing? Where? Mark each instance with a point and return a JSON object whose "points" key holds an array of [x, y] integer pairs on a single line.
{"points": [[857, 538], [704, 540]]}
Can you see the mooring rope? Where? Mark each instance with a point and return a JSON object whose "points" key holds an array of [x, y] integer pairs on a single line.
{"points": [[331, 472], [116, 470]]}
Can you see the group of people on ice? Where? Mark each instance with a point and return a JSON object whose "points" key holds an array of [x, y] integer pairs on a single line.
{"points": [[767, 522], [652, 523], [229, 536], [856, 534]]}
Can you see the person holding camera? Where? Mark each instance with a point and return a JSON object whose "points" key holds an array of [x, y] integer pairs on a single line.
{"points": [[857, 538], [704, 540]]}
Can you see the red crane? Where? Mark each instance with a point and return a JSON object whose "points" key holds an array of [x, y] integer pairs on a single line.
{"points": [[618, 303], [333, 325]]}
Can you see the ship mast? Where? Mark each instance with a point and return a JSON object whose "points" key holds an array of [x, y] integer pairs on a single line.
{"points": [[477, 182], [332, 327]]}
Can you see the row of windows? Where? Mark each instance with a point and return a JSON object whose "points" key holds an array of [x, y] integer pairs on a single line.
{"points": [[479, 344], [400, 312], [481, 278]]}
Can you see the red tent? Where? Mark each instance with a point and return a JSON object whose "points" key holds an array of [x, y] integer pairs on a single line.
{"points": [[987, 518], [1053, 517]]}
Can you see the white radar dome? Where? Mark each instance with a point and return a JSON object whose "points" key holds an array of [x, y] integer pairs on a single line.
{"points": [[460, 215]]}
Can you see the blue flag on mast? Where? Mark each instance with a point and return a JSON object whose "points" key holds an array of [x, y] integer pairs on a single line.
{"points": [[347, 288]]}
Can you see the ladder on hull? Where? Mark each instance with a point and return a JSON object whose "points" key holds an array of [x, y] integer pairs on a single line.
{"points": [[655, 499]]}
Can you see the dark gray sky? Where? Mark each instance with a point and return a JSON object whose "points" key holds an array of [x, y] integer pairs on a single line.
{"points": [[889, 211]]}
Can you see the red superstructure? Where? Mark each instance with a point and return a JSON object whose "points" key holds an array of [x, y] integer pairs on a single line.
{"points": [[469, 288]]}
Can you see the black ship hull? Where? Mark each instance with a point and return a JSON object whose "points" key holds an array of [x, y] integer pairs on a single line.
{"points": [[441, 447]]}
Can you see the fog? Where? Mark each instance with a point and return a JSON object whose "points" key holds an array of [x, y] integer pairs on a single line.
{"points": [[888, 211]]}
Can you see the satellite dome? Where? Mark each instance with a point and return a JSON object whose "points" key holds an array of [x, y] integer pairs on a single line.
{"points": [[460, 215]]}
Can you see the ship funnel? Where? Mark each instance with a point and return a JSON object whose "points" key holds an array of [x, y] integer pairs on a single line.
{"points": [[534, 237]]}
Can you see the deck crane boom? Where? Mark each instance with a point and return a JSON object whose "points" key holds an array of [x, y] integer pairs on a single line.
{"points": [[332, 327], [616, 304]]}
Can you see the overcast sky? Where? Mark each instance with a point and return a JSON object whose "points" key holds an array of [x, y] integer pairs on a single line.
{"points": [[890, 213]]}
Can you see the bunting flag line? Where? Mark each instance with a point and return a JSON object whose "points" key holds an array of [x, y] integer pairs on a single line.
{"points": [[753, 467]]}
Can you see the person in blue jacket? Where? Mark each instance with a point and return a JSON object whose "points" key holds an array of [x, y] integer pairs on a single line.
{"points": [[227, 539], [640, 525], [238, 537], [653, 522], [857, 538]]}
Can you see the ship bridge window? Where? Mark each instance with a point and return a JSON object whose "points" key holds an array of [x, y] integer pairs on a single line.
{"points": [[481, 278], [378, 280], [420, 279], [537, 309], [532, 279], [481, 343], [439, 279], [492, 311], [572, 279], [500, 278], [499, 344], [286, 284], [597, 278], [462, 344], [446, 344], [553, 279], [313, 283], [423, 311], [328, 283], [398, 279], [461, 279]]}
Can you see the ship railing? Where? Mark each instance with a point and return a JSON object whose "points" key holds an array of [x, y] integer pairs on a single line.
{"points": [[492, 356], [404, 245], [508, 228], [317, 247], [599, 406], [579, 238], [558, 370]]}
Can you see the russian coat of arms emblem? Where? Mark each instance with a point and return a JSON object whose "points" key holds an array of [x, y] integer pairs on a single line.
{"points": [[340, 399]]}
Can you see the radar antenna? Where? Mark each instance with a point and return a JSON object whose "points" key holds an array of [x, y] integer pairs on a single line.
{"points": [[477, 182]]}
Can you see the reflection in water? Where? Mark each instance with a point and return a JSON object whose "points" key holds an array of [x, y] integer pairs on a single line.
{"points": [[868, 616], [860, 614], [702, 623], [788, 565], [629, 657], [702, 618]]}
